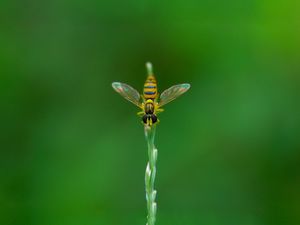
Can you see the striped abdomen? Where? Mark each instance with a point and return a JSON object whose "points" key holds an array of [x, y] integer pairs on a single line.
{"points": [[150, 88]]}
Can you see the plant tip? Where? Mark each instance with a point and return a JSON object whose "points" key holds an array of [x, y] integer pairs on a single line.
{"points": [[149, 68]]}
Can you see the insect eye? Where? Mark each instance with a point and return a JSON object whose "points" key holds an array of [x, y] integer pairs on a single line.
{"points": [[154, 118], [145, 118]]}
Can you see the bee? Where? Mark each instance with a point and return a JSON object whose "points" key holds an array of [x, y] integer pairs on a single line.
{"points": [[150, 102]]}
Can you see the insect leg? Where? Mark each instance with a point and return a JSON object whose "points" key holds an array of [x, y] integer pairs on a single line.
{"points": [[141, 113], [159, 110]]}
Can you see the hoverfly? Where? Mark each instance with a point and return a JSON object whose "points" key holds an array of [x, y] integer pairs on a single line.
{"points": [[148, 102]]}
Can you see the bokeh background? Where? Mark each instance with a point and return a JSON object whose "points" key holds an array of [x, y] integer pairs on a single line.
{"points": [[73, 151]]}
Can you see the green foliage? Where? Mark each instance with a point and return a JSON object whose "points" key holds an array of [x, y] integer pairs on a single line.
{"points": [[73, 153]]}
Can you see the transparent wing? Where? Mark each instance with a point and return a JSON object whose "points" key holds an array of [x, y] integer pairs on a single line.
{"points": [[172, 93], [127, 92]]}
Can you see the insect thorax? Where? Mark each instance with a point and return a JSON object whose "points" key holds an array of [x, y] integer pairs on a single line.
{"points": [[149, 106]]}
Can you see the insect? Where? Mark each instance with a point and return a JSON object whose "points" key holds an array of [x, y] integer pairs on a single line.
{"points": [[150, 102]]}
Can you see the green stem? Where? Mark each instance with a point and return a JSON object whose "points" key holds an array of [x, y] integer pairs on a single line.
{"points": [[149, 68], [150, 174]]}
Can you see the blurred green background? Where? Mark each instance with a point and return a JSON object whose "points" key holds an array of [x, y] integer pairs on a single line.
{"points": [[73, 151]]}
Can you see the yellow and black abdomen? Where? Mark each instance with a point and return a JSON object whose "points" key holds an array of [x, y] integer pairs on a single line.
{"points": [[150, 88]]}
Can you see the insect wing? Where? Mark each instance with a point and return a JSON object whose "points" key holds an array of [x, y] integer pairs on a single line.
{"points": [[172, 93], [127, 92]]}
